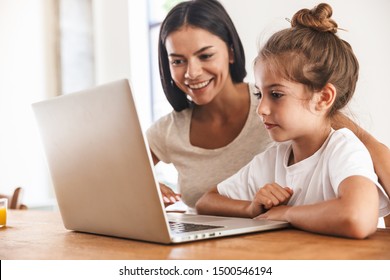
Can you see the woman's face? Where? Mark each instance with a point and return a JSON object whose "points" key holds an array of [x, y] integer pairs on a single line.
{"points": [[199, 63]]}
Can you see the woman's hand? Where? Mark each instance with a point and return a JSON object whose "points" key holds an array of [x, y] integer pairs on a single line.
{"points": [[169, 196]]}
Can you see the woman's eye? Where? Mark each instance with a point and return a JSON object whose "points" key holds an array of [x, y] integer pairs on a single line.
{"points": [[205, 56], [177, 61]]}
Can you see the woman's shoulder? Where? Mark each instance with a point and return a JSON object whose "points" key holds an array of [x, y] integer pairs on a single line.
{"points": [[166, 131], [171, 121]]}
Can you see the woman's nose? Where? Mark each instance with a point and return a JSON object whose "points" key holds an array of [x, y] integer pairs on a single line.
{"points": [[194, 70]]}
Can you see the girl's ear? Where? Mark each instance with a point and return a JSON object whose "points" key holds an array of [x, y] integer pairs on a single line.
{"points": [[326, 97]]}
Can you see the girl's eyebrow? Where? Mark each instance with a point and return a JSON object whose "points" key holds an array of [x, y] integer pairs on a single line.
{"points": [[275, 85], [195, 53], [271, 86]]}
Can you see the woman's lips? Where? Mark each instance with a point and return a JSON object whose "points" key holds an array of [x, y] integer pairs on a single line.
{"points": [[200, 85]]}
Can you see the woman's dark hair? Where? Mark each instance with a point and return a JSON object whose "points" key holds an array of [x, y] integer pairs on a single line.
{"points": [[209, 15], [315, 54]]}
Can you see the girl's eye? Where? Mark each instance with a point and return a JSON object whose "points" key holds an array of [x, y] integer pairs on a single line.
{"points": [[258, 94], [276, 95]]}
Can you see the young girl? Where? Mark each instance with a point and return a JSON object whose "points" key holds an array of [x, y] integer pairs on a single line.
{"points": [[316, 178]]}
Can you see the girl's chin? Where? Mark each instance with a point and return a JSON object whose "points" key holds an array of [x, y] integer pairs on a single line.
{"points": [[278, 138]]}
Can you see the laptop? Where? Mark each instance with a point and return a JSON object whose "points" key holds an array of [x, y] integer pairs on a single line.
{"points": [[103, 173]]}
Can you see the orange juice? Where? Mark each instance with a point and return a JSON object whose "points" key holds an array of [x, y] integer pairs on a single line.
{"points": [[3, 216]]}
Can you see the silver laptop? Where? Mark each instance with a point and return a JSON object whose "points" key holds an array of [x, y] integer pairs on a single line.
{"points": [[103, 175]]}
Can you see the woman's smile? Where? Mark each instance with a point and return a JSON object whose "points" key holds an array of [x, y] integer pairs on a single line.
{"points": [[199, 85]]}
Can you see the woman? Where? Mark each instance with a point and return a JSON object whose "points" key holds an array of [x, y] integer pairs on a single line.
{"points": [[213, 130]]}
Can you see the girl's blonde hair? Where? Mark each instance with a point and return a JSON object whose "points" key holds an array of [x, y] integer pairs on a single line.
{"points": [[312, 54]]}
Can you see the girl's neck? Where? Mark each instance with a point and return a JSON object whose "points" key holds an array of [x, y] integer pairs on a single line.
{"points": [[308, 145]]}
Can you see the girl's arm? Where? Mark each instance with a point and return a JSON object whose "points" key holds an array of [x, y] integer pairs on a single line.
{"points": [[353, 214], [379, 152], [212, 203], [270, 195]]}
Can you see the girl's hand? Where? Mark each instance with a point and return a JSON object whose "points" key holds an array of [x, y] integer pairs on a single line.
{"points": [[269, 196], [168, 195], [276, 213]]}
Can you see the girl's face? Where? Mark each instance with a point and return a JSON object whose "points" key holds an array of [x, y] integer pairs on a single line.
{"points": [[199, 63], [287, 108]]}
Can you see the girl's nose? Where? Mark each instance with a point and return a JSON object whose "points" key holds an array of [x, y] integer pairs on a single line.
{"points": [[263, 107]]}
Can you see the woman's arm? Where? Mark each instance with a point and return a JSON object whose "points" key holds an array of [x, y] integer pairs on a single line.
{"points": [[353, 214], [169, 196], [379, 152], [155, 158]]}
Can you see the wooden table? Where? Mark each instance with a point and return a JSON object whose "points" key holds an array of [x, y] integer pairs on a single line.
{"points": [[40, 235]]}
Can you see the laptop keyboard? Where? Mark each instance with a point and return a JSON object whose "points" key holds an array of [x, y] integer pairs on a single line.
{"points": [[179, 227]]}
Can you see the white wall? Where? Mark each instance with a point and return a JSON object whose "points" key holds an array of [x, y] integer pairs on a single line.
{"points": [[121, 47], [25, 77], [111, 38], [368, 24]]}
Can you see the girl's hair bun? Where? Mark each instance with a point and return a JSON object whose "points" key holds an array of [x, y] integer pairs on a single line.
{"points": [[318, 18]]}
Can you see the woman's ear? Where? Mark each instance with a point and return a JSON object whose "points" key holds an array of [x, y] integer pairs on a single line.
{"points": [[231, 55], [326, 97]]}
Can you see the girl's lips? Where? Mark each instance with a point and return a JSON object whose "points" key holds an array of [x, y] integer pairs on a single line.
{"points": [[269, 125]]}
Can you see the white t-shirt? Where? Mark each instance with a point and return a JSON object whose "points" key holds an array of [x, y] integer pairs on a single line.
{"points": [[314, 179], [200, 169]]}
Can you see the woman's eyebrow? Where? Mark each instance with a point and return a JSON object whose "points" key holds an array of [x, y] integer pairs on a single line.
{"points": [[195, 53]]}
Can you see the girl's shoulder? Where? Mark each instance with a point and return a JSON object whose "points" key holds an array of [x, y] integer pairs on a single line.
{"points": [[344, 136], [343, 144]]}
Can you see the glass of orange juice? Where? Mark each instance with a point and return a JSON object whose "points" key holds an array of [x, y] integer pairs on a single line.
{"points": [[3, 211]]}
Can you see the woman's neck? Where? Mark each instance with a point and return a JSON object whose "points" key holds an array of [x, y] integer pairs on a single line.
{"points": [[229, 102], [216, 125]]}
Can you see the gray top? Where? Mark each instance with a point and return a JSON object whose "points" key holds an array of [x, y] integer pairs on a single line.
{"points": [[200, 169]]}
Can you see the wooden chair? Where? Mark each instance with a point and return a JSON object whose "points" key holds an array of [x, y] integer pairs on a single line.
{"points": [[15, 200]]}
